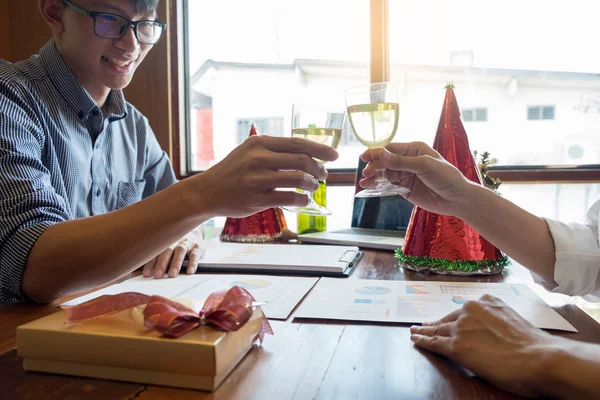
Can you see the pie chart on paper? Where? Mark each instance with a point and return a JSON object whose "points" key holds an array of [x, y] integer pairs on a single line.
{"points": [[413, 288], [372, 290]]}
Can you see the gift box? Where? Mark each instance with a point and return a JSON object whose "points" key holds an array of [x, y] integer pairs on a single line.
{"points": [[119, 347]]}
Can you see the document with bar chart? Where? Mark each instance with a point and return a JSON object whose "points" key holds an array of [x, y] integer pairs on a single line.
{"points": [[416, 302]]}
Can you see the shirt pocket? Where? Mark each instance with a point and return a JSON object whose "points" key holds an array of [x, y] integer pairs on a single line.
{"points": [[129, 193]]}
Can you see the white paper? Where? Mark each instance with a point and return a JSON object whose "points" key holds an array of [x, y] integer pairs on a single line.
{"points": [[416, 302], [282, 294]]}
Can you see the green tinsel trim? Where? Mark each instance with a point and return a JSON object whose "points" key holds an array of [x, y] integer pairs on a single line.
{"points": [[451, 265]]}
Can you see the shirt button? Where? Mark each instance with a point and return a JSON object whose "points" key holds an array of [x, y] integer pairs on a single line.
{"points": [[98, 192]]}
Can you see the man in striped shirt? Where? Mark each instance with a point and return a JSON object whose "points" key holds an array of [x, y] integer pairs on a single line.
{"points": [[86, 193]]}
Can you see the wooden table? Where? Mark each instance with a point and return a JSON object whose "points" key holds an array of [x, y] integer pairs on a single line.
{"points": [[303, 360]]}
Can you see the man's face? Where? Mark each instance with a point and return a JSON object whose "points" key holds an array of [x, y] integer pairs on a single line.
{"points": [[101, 64]]}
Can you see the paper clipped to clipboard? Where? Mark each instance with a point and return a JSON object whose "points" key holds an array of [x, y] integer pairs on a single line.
{"points": [[290, 258]]}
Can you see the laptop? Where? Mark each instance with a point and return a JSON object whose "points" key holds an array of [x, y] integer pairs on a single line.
{"points": [[377, 222]]}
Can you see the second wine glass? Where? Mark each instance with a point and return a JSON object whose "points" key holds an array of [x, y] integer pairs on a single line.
{"points": [[318, 124], [373, 111]]}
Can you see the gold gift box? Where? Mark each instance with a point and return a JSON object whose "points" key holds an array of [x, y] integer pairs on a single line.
{"points": [[120, 348]]}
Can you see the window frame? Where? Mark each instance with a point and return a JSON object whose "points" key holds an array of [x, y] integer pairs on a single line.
{"points": [[379, 72]]}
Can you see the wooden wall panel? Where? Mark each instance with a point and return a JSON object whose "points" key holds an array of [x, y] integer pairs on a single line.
{"points": [[29, 31], [23, 32], [5, 33]]}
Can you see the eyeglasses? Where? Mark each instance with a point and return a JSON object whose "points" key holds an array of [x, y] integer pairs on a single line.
{"points": [[111, 26]]}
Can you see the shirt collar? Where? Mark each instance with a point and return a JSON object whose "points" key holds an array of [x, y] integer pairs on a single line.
{"points": [[115, 108], [73, 92]]}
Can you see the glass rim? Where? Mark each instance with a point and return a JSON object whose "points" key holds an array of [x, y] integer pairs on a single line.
{"points": [[369, 88]]}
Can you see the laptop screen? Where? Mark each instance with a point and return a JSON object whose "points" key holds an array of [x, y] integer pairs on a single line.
{"points": [[387, 213]]}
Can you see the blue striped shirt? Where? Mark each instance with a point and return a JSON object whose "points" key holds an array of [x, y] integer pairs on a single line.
{"points": [[61, 157]]}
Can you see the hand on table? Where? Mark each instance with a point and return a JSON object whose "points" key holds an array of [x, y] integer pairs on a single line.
{"points": [[493, 341], [171, 259]]}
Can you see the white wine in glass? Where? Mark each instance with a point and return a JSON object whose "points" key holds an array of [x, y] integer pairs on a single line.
{"points": [[321, 125], [373, 111], [329, 136], [374, 124]]}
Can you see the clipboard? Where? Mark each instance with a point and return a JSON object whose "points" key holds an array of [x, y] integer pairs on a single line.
{"points": [[290, 259]]}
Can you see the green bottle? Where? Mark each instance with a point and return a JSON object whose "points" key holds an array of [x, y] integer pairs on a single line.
{"points": [[310, 223]]}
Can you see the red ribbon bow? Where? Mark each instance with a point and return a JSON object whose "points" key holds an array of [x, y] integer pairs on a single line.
{"points": [[227, 310]]}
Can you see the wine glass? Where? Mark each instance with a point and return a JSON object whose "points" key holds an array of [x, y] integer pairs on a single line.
{"points": [[373, 112], [321, 125]]}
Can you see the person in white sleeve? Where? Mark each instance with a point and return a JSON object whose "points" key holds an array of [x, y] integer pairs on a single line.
{"points": [[577, 266], [487, 336]]}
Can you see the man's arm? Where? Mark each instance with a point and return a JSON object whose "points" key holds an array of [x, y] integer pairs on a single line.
{"points": [[439, 187], [82, 253], [573, 370]]}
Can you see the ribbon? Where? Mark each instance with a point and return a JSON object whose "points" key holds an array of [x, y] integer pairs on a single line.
{"points": [[227, 310]]}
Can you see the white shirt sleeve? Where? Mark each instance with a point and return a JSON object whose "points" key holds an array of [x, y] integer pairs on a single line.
{"points": [[577, 268]]}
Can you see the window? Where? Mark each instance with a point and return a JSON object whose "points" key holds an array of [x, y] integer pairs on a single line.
{"points": [[252, 63], [547, 112], [467, 115], [540, 112], [544, 97], [474, 114], [264, 126], [481, 114], [533, 113], [565, 202]]}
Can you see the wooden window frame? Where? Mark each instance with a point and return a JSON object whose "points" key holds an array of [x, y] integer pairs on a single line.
{"points": [[379, 72]]}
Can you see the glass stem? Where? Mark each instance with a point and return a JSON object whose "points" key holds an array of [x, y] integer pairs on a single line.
{"points": [[380, 178], [309, 194]]}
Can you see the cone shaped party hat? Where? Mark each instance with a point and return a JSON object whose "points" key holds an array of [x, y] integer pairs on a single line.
{"points": [[441, 243], [265, 226]]}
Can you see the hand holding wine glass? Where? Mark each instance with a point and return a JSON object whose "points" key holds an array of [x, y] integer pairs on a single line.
{"points": [[318, 124], [373, 111]]}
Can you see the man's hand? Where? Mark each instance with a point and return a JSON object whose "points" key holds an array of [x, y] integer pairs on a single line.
{"points": [[249, 178], [493, 341], [171, 259], [435, 184]]}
